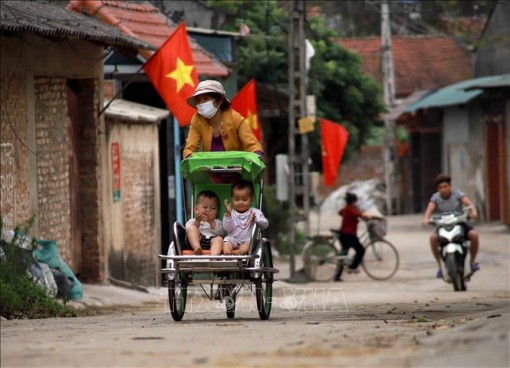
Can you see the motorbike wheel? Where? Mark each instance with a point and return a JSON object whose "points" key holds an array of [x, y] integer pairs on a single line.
{"points": [[455, 270]]}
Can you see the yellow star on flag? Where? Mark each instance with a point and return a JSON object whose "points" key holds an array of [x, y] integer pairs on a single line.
{"points": [[253, 120], [182, 74]]}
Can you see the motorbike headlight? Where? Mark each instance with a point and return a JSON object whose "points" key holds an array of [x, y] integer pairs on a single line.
{"points": [[459, 238], [443, 240]]}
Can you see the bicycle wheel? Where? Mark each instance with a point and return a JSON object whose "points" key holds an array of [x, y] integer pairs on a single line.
{"points": [[381, 259], [319, 261]]}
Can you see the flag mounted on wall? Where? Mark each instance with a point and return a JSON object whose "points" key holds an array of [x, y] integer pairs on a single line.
{"points": [[245, 103], [172, 72], [334, 141]]}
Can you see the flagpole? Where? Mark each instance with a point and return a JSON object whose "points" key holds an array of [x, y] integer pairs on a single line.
{"points": [[177, 164], [120, 91]]}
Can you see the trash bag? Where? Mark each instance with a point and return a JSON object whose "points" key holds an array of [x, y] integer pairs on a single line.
{"points": [[47, 252]]}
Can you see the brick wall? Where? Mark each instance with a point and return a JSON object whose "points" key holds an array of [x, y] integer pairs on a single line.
{"points": [[53, 150], [93, 259], [139, 221], [14, 150], [369, 164]]}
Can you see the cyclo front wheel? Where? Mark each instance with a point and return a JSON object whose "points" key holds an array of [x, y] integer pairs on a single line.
{"points": [[264, 284], [177, 293], [381, 259], [319, 260]]}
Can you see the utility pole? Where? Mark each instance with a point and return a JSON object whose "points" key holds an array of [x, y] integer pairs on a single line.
{"points": [[389, 100], [299, 176]]}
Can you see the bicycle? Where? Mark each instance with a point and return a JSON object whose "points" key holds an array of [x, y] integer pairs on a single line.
{"points": [[323, 256]]}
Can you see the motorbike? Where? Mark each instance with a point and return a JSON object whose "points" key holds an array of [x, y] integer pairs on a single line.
{"points": [[453, 246]]}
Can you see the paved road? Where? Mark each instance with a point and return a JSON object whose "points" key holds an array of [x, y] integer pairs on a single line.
{"points": [[411, 320]]}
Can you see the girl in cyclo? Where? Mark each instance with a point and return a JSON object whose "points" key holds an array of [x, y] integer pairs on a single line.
{"points": [[239, 220]]}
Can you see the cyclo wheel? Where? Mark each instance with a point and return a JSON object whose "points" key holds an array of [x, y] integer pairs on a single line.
{"points": [[455, 272], [177, 293], [264, 284], [381, 259], [230, 302], [319, 261]]}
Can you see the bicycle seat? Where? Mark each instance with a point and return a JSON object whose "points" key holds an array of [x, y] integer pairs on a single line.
{"points": [[335, 231]]}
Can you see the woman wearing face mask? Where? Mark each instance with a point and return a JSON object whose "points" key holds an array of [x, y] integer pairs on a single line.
{"points": [[216, 126]]}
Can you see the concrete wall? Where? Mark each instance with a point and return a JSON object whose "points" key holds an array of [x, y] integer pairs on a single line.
{"points": [[463, 151], [135, 215]]}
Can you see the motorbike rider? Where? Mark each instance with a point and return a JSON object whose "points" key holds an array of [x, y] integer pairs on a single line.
{"points": [[445, 201]]}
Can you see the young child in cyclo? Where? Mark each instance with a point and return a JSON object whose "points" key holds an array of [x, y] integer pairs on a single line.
{"points": [[205, 231], [240, 218], [445, 201], [348, 232]]}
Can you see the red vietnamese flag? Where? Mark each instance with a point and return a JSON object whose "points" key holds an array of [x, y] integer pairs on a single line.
{"points": [[172, 72], [245, 103], [334, 140]]}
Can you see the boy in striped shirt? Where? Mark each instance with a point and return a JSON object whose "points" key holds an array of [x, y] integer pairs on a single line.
{"points": [[447, 200]]}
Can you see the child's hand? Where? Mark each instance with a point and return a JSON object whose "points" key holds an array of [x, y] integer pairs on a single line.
{"points": [[252, 216], [228, 209], [199, 216]]}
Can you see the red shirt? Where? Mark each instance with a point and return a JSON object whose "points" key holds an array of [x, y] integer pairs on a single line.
{"points": [[350, 215]]}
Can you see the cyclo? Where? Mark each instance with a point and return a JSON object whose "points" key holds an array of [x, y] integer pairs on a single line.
{"points": [[226, 275]]}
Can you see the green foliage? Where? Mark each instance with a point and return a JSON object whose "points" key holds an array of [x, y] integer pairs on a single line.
{"points": [[263, 55], [343, 92], [20, 296], [278, 215]]}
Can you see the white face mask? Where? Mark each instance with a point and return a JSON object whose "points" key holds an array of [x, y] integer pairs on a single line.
{"points": [[207, 109]]}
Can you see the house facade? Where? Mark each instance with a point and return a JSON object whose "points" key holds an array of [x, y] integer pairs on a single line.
{"points": [[474, 117], [54, 153], [421, 64]]}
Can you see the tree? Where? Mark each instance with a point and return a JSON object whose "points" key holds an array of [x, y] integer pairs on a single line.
{"points": [[343, 93]]}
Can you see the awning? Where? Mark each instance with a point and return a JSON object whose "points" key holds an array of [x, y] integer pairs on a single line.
{"points": [[459, 93], [135, 112], [503, 81], [399, 109]]}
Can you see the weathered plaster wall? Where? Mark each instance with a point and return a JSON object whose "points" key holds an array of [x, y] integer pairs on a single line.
{"points": [[135, 221]]}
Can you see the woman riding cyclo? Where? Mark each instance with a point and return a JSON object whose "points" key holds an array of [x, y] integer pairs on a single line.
{"points": [[216, 126]]}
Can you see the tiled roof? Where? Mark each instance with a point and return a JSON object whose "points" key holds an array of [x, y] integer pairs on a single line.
{"points": [[49, 20], [146, 22], [420, 63]]}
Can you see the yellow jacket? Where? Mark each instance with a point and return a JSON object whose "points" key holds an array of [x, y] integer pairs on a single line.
{"points": [[236, 133]]}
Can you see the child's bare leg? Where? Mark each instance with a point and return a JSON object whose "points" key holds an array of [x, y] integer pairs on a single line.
{"points": [[216, 245], [227, 248], [193, 235], [243, 249]]}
